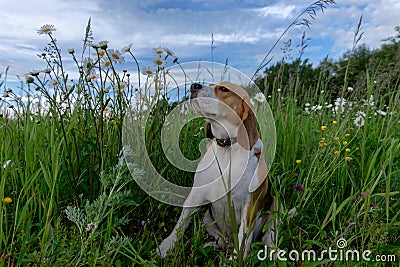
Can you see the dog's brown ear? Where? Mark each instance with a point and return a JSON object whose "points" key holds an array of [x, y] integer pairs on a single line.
{"points": [[248, 133], [209, 133]]}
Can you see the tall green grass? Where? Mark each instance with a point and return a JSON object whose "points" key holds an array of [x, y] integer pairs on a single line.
{"points": [[73, 202]]}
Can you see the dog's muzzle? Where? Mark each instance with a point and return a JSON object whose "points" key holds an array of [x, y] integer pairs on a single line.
{"points": [[194, 89]]}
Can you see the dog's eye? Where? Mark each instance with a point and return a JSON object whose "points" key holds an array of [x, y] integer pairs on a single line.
{"points": [[223, 89]]}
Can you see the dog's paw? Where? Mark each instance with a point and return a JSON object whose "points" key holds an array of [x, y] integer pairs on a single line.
{"points": [[166, 245]]}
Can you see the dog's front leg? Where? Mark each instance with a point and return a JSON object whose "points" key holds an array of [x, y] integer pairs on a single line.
{"points": [[244, 236], [180, 227]]}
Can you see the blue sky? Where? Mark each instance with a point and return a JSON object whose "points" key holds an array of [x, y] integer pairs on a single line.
{"points": [[243, 30]]}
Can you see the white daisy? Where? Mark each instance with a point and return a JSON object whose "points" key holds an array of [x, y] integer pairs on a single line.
{"points": [[350, 89], [105, 63], [46, 29], [103, 44], [158, 50], [159, 62], [147, 71], [340, 102], [126, 48], [87, 65], [121, 86], [53, 83], [34, 73], [92, 75], [381, 112], [169, 52], [115, 55], [260, 97], [359, 121]]}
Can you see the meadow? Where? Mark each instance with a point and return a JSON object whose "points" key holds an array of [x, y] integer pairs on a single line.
{"points": [[69, 197]]}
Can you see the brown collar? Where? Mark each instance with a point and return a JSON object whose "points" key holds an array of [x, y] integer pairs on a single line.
{"points": [[226, 142]]}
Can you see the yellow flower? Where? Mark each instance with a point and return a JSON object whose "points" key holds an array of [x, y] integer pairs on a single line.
{"points": [[322, 144], [334, 122], [337, 139], [323, 127], [348, 150], [347, 135], [337, 152], [323, 139], [347, 158], [7, 200], [298, 161], [345, 143]]}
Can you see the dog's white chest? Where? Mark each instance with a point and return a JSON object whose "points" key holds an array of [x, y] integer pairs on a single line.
{"points": [[223, 170], [225, 165]]}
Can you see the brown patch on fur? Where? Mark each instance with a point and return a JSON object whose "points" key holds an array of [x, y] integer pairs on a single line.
{"points": [[239, 101], [248, 133], [260, 200]]}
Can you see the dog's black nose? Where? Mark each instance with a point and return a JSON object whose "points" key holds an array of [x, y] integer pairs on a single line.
{"points": [[195, 87]]}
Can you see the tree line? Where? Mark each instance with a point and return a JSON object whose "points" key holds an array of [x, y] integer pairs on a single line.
{"points": [[357, 67]]}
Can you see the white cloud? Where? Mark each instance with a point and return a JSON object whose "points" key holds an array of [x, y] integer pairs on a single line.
{"points": [[279, 11], [243, 31]]}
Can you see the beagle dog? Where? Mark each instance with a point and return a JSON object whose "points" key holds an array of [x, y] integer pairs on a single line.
{"points": [[232, 174]]}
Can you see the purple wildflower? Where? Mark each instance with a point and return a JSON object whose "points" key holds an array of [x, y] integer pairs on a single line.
{"points": [[299, 187]]}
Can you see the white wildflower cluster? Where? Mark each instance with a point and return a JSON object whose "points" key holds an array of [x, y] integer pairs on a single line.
{"points": [[160, 60], [105, 57], [345, 108]]}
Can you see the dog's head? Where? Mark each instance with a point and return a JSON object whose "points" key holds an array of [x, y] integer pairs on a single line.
{"points": [[228, 111]]}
